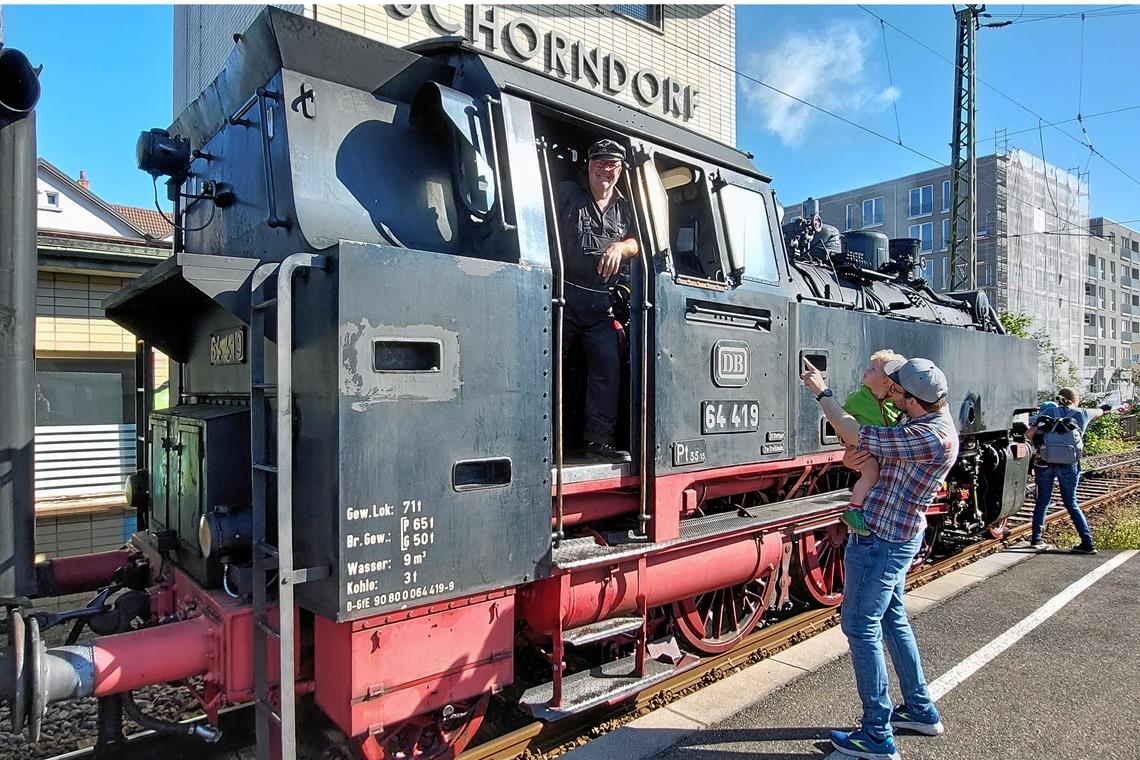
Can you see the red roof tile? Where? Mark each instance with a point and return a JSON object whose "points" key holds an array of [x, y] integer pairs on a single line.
{"points": [[148, 220]]}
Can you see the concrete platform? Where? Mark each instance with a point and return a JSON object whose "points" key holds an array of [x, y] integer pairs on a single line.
{"points": [[1029, 654]]}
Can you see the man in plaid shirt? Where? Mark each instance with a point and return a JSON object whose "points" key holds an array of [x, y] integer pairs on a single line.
{"points": [[914, 458]]}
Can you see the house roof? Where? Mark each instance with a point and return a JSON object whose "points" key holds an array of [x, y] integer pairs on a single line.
{"points": [[148, 220], [150, 225]]}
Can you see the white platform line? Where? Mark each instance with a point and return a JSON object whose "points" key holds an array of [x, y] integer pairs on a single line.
{"points": [[975, 662], [963, 670]]}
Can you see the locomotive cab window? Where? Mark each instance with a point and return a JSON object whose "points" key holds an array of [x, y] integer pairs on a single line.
{"points": [[748, 233], [682, 212]]}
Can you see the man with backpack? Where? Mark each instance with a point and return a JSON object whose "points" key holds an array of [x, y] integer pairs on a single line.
{"points": [[1058, 433]]}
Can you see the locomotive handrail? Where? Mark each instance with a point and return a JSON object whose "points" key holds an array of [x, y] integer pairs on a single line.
{"points": [[646, 305], [287, 576], [493, 131], [559, 303], [270, 187]]}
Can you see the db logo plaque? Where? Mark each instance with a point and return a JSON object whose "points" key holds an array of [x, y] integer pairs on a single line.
{"points": [[730, 364]]}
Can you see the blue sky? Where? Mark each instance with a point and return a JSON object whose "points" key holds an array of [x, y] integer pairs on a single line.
{"points": [[835, 56], [107, 76]]}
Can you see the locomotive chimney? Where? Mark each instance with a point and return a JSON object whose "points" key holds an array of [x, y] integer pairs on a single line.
{"points": [[19, 93]]}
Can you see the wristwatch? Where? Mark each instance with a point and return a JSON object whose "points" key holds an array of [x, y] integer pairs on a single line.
{"points": [[825, 393]]}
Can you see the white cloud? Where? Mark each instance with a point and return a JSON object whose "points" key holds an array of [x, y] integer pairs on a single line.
{"points": [[826, 67]]}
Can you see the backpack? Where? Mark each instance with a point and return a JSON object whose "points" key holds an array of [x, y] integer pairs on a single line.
{"points": [[1061, 440]]}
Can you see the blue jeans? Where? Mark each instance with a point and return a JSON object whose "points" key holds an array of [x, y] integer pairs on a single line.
{"points": [[1068, 475], [875, 574]]}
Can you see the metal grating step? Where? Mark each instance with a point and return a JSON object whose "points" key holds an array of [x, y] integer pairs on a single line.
{"points": [[601, 630], [606, 684]]}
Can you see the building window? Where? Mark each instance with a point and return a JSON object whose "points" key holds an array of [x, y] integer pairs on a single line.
{"points": [[51, 201], [1100, 268], [921, 201], [1112, 300], [1136, 246], [1100, 355], [925, 233], [849, 219], [945, 196], [945, 234], [1100, 298], [1112, 271], [1100, 322], [928, 271], [1112, 328], [1112, 356], [1090, 351], [873, 212], [646, 14]]}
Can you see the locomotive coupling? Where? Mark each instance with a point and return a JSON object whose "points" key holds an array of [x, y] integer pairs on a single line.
{"points": [[33, 676]]}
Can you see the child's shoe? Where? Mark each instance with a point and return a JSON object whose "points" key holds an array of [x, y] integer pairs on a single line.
{"points": [[853, 519]]}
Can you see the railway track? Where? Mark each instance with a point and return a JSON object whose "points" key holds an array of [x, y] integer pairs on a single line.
{"points": [[1104, 478]]}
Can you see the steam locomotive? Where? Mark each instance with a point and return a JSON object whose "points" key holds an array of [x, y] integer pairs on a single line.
{"points": [[367, 494]]}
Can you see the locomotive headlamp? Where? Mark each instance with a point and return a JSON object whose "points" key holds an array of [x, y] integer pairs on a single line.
{"points": [[225, 532], [158, 154]]}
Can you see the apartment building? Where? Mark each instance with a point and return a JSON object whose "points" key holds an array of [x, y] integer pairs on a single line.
{"points": [[1111, 334], [676, 61], [1032, 222]]}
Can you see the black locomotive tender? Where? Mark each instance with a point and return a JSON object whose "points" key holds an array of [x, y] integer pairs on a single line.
{"points": [[364, 308]]}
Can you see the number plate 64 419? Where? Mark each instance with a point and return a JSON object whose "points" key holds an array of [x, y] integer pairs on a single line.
{"points": [[730, 416]]}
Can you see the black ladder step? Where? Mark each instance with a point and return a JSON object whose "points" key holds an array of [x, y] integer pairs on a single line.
{"points": [[268, 549], [272, 468], [266, 707], [601, 630], [265, 386], [267, 629], [266, 304], [591, 688]]}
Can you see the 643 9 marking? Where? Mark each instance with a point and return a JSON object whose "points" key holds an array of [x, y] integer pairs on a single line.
{"points": [[730, 417]]}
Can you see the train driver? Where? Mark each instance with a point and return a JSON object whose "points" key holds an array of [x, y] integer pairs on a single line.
{"points": [[595, 221]]}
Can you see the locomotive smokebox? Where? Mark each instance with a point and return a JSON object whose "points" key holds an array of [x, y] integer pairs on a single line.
{"points": [[19, 93]]}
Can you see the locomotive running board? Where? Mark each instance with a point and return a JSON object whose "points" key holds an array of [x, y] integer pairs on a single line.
{"points": [[605, 684], [578, 553]]}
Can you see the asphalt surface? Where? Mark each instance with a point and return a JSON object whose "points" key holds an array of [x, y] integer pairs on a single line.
{"points": [[1070, 688]]}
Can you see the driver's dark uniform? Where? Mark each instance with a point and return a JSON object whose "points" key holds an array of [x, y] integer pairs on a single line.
{"points": [[586, 231]]}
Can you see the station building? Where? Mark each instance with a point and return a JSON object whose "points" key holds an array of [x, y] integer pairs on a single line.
{"points": [[85, 430], [676, 61]]}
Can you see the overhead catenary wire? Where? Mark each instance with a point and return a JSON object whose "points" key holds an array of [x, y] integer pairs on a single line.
{"points": [[891, 80], [1010, 98], [861, 127]]}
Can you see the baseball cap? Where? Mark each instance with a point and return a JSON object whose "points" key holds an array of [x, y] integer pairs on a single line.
{"points": [[922, 379], [890, 366], [606, 148]]}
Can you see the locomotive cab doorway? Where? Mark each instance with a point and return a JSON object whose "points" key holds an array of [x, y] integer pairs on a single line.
{"points": [[562, 145]]}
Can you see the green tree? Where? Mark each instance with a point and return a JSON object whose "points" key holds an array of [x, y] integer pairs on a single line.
{"points": [[1015, 324]]}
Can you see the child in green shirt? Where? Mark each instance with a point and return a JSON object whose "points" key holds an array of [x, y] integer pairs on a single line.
{"points": [[864, 405]]}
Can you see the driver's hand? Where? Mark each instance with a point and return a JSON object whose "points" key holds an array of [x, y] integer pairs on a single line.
{"points": [[610, 261]]}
